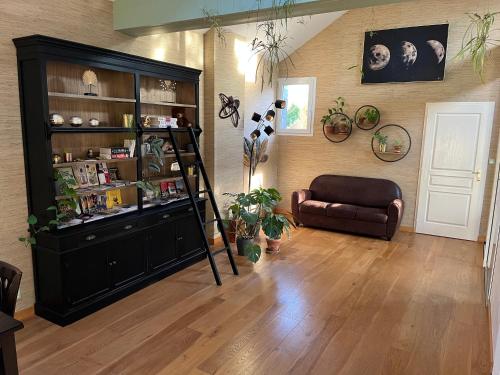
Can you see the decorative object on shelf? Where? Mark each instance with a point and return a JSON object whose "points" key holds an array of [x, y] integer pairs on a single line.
{"points": [[128, 120], [56, 159], [367, 117], [391, 143], [68, 157], [182, 121], [75, 121], [56, 119], [93, 122], [405, 55], [477, 40], [229, 108], [337, 126], [254, 149], [89, 79], [169, 88], [90, 154]]}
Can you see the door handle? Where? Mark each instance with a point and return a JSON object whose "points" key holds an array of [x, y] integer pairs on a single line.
{"points": [[477, 174]]}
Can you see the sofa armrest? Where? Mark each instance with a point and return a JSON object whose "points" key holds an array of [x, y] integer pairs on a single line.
{"points": [[298, 197], [395, 215]]}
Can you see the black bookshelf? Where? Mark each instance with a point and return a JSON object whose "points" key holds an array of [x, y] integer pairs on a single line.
{"points": [[84, 266]]}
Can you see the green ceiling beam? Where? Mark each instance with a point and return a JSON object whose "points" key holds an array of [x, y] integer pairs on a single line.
{"points": [[146, 17]]}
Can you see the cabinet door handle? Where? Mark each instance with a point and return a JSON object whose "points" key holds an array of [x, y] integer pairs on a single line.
{"points": [[128, 227], [110, 264], [114, 263], [190, 209], [180, 238], [91, 237], [166, 216]]}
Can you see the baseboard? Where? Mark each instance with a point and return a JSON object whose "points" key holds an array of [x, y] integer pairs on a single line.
{"points": [[406, 229], [25, 314], [481, 239], [490, 330], [216, 240]]}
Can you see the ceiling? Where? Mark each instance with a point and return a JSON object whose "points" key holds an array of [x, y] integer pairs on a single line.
{"points": [[299, 30]]}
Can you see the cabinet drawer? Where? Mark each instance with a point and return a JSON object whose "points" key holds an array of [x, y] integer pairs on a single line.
{"points": [[99, 235]]}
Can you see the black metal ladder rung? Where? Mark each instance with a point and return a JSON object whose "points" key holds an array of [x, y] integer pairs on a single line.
{"points": [[194, 205], [215, 252], [210, 222]]}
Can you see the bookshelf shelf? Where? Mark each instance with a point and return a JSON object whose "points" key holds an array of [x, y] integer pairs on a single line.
{"points": [[90, 97], [107, 161], [168, 104], [101, 189]]}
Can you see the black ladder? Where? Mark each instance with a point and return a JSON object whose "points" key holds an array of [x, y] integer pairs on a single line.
{"points": [[199, 219]]}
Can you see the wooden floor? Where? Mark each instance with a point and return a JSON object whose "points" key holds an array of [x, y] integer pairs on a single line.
{"points": [[328, 304]]}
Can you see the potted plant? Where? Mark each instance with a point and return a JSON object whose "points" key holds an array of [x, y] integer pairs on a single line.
{"points": [[332, 122], [382, 141], [248, 211], [397, 146], [371, 115], [274, 225]]}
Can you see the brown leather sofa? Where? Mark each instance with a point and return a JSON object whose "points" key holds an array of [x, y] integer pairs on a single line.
{"points": [[368, 206]]}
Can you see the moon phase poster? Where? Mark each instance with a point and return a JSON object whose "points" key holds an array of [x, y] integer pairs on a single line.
{"points": [[405, 55]]}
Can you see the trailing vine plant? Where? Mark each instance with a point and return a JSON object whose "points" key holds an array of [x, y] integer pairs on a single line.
{"points": [[477, 39], [215, 24], [154, 165]]}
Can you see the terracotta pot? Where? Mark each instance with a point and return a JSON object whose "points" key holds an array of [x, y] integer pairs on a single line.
{"points": [[330, 129], [241, 244], [273, 246], [397, 149]]}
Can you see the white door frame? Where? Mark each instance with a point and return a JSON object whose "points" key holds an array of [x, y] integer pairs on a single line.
{"points": [[489, 108]]}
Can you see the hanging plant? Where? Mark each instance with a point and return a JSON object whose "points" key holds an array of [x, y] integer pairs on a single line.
{"points": [[271, 46], [215, 24], [477, 39]]}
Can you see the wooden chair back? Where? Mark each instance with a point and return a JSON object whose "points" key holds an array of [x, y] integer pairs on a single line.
{"points": [[10, 279]]}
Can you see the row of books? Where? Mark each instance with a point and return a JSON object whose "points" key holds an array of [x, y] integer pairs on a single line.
{"points": [[83, 175]]}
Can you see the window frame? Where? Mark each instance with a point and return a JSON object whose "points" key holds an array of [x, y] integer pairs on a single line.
{"points": [[309, 131]]}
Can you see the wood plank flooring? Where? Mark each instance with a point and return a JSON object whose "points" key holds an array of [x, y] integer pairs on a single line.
{"points": [[329, 303]]}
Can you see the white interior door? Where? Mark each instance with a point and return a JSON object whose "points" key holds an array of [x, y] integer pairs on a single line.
{"points": [[453, 169]]}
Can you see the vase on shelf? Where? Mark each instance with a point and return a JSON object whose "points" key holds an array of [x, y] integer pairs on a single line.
{"points": [[382, 147]]}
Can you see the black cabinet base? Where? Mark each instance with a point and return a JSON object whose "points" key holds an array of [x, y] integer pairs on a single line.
{"points": [[104, 300]]}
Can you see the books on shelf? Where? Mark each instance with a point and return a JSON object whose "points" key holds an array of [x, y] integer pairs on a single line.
{"points": [[114, 152], [114, 198]]}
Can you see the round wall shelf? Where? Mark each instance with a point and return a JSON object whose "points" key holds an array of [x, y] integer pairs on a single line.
{"points": [[339, 129], [397, 143], [367, 117]]}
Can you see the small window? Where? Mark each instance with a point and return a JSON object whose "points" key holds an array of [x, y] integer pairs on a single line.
{"points": [[298, 116]]}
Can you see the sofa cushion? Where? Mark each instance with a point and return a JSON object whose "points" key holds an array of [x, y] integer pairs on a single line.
{"points": [[341, 211], [374, 215], [313, 207]]}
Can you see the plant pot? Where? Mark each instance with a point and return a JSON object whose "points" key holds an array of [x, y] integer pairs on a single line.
{"points": [[273, 245], [398, 149], [242, 243], [330, 129]]}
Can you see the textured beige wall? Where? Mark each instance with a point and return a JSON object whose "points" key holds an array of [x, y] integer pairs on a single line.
{"points": [[327, 57], [82, 21], [223, 142]]}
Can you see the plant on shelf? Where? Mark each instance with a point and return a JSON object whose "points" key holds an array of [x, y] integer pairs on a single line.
{"points": [[154, 165], [371, 115], [382, 141], [477, 39], [248, 211], [397, 146], [335, 121]]}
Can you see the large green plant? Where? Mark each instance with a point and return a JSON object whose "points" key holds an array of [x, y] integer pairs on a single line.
{"points": [[248, 211], [477, 39]]}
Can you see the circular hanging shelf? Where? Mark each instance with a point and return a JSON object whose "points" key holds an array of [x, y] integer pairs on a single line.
{"points": [[367, 117], [398, 143], [339, 128]]}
